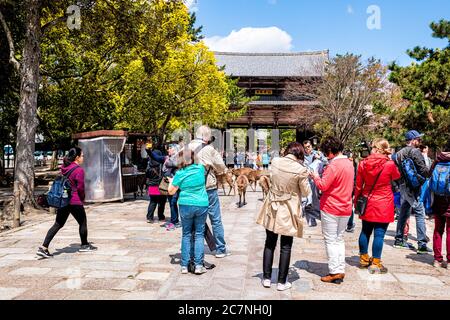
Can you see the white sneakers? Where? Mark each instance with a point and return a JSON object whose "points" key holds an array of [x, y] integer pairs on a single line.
{"points": [[283, 287], [223, 255], [266, 283], [280, 287], [200, 270]]}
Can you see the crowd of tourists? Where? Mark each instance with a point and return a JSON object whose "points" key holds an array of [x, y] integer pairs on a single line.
{"points": [[326, 185]]}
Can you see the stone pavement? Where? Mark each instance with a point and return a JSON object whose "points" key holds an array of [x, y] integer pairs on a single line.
{"points": [[137, 260]]}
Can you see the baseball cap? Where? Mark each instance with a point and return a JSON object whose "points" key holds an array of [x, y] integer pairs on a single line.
{"points": [[413, 134]]}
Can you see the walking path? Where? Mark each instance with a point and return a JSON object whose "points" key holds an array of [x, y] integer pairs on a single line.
{"points": [[137, 260]]}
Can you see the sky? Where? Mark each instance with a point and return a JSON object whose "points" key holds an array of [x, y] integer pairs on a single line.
{"points": [[384, 29]]}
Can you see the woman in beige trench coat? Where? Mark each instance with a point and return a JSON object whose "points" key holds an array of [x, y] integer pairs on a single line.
{"points": [[281, 212]]}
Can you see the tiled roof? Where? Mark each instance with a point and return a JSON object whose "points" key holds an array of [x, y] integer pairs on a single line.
{"points": [[302, 64]]}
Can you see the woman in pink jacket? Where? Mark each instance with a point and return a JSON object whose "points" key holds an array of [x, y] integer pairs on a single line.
{"points": [[72, 169], [375, 174], [336, 185]]}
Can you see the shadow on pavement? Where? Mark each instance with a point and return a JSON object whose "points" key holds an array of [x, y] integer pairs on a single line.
{"points": [[391, 233], [73, 248], [317, 268], [391, 244], [292, 275], [423, 258], [352, 261]]}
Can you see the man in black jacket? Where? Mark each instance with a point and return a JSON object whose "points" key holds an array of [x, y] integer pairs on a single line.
{"points": [[410, 195]]}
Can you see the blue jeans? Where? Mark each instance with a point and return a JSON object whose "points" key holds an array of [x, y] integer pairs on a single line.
{"points": [[405, 212], [379, 230], [193, 217], [174, 208], [216, 221]]}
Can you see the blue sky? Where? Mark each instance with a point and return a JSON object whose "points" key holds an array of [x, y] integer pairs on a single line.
{"points": [[337, 25]]}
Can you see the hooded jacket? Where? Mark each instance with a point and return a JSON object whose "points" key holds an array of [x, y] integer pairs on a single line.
{"points": [[76, 179], [441, 205], [380, 205]]}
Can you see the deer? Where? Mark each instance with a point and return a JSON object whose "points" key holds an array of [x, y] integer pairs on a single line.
{"points": [[241, 171], [242, 184], [264, 182], [226, 178], [253, 177]]}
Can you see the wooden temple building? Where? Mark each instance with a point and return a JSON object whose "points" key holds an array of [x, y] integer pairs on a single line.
{"points": [[282, 84]]}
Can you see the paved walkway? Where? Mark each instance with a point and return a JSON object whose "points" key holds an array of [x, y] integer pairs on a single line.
{"points": [[136, 260]]}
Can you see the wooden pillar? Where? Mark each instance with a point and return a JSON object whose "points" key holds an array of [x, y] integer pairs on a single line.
{"points": [[298, 135]]}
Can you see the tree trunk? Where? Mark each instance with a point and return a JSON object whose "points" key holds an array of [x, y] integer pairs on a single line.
{"points": [[162, 132], [27, 122], [54, 162]]}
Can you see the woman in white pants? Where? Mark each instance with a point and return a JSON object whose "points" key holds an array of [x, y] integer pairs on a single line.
{"points": [[336, 185]]}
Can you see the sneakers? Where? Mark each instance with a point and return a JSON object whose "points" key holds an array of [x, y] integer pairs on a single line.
{"points": [[284, 286], [42, 252], [150, 221], [266, 283], [442, 264], [222, 255], [184, 270], [170, 227], [200, 270], [350, 229], [424, 250], [178, 225], [87, 248], [401, 244]]}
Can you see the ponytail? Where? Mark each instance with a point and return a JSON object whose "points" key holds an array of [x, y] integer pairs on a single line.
{"points": [[71, 156]]}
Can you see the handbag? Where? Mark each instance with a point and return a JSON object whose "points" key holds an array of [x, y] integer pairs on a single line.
{"points": [[164, 186], [361, 203]]}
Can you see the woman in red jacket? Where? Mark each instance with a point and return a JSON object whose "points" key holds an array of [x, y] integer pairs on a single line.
{"points": [[376, 171]]}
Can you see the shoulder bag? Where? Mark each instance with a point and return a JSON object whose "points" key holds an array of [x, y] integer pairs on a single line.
{"points": [[361, 203]]}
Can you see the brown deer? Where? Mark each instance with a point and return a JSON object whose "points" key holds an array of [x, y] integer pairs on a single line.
{"points": [[241, 171], [226, 178], [253, 177], [242, 184], [264, 182]]}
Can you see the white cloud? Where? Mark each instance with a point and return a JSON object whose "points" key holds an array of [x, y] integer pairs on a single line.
{"points": [[192, 5], [259, 40], [350, 9]]}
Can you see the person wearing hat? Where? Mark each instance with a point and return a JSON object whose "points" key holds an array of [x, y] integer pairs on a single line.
{"points": [[409, 195]]}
